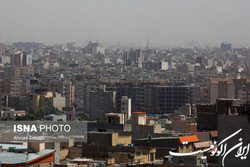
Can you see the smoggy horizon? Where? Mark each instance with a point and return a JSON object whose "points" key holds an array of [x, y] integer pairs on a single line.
{"points": [[167, 23]]}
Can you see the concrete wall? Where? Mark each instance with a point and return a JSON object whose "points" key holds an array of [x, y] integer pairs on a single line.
{"points": [[213, 93], [63, 154], [36, 146], [110, 139], [142, 131], [124, 140], [75, 152], [144, 154], [181, 125], [59, 101], [120, 157]]}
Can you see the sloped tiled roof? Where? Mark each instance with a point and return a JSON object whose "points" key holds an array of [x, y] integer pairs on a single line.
{"points": [[204, 144], [22, 158], [139, 112], [202, 136], [190, 139]]}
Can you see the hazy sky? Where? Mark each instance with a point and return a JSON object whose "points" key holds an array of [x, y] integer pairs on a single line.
{"points": [[167, 22]]}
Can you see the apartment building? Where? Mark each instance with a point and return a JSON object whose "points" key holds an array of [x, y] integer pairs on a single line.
{"points": [[170, 98], [65, 88], [231, 87], [101, 102], [18, 72]]}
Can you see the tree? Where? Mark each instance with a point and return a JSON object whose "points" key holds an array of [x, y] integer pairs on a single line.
{"points": [[28, 116], [83, 117]]}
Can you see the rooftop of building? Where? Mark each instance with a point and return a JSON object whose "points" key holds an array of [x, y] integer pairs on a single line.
{"points": [[204, 144], [139, 112], [189, 139], [113, 114], [101, 133], [23, 158], [158, 138], [16, 146]]}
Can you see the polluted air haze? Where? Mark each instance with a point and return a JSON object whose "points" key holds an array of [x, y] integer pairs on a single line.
{"points": [[165, 22]]}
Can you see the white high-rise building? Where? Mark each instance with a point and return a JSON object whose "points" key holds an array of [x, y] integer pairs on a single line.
{"points": [[126, 107]]}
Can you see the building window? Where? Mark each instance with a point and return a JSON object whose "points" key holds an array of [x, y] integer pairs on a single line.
{"points": [[36, 165], [138, 154], [50, 164], [180, 161], [144, 153]]}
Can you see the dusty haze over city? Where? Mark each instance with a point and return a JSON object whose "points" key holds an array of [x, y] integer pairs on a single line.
{"points": [[167, 23]]}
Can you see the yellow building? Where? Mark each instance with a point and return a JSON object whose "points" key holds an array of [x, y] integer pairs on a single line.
{"points": [[144, 154], [186, 143]]}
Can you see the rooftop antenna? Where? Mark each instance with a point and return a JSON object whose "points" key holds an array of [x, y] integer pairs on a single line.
{"points": [[147, 46], [147, 42]]}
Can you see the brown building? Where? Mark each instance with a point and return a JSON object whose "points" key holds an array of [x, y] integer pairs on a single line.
{"points": [[5, 86], [43, 100], [162, 144], [16, 59], [2, 48], [221, 88], [65, 88], [20, 59], [231, 87], [142, 130], [108, 138], [184, 126], [207, 114], [114, 154], [69, 112], [18, 72], [100, 103]]}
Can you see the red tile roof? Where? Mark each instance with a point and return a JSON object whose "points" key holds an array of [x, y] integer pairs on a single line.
{"points": [[190, 139], [139, 112]]}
